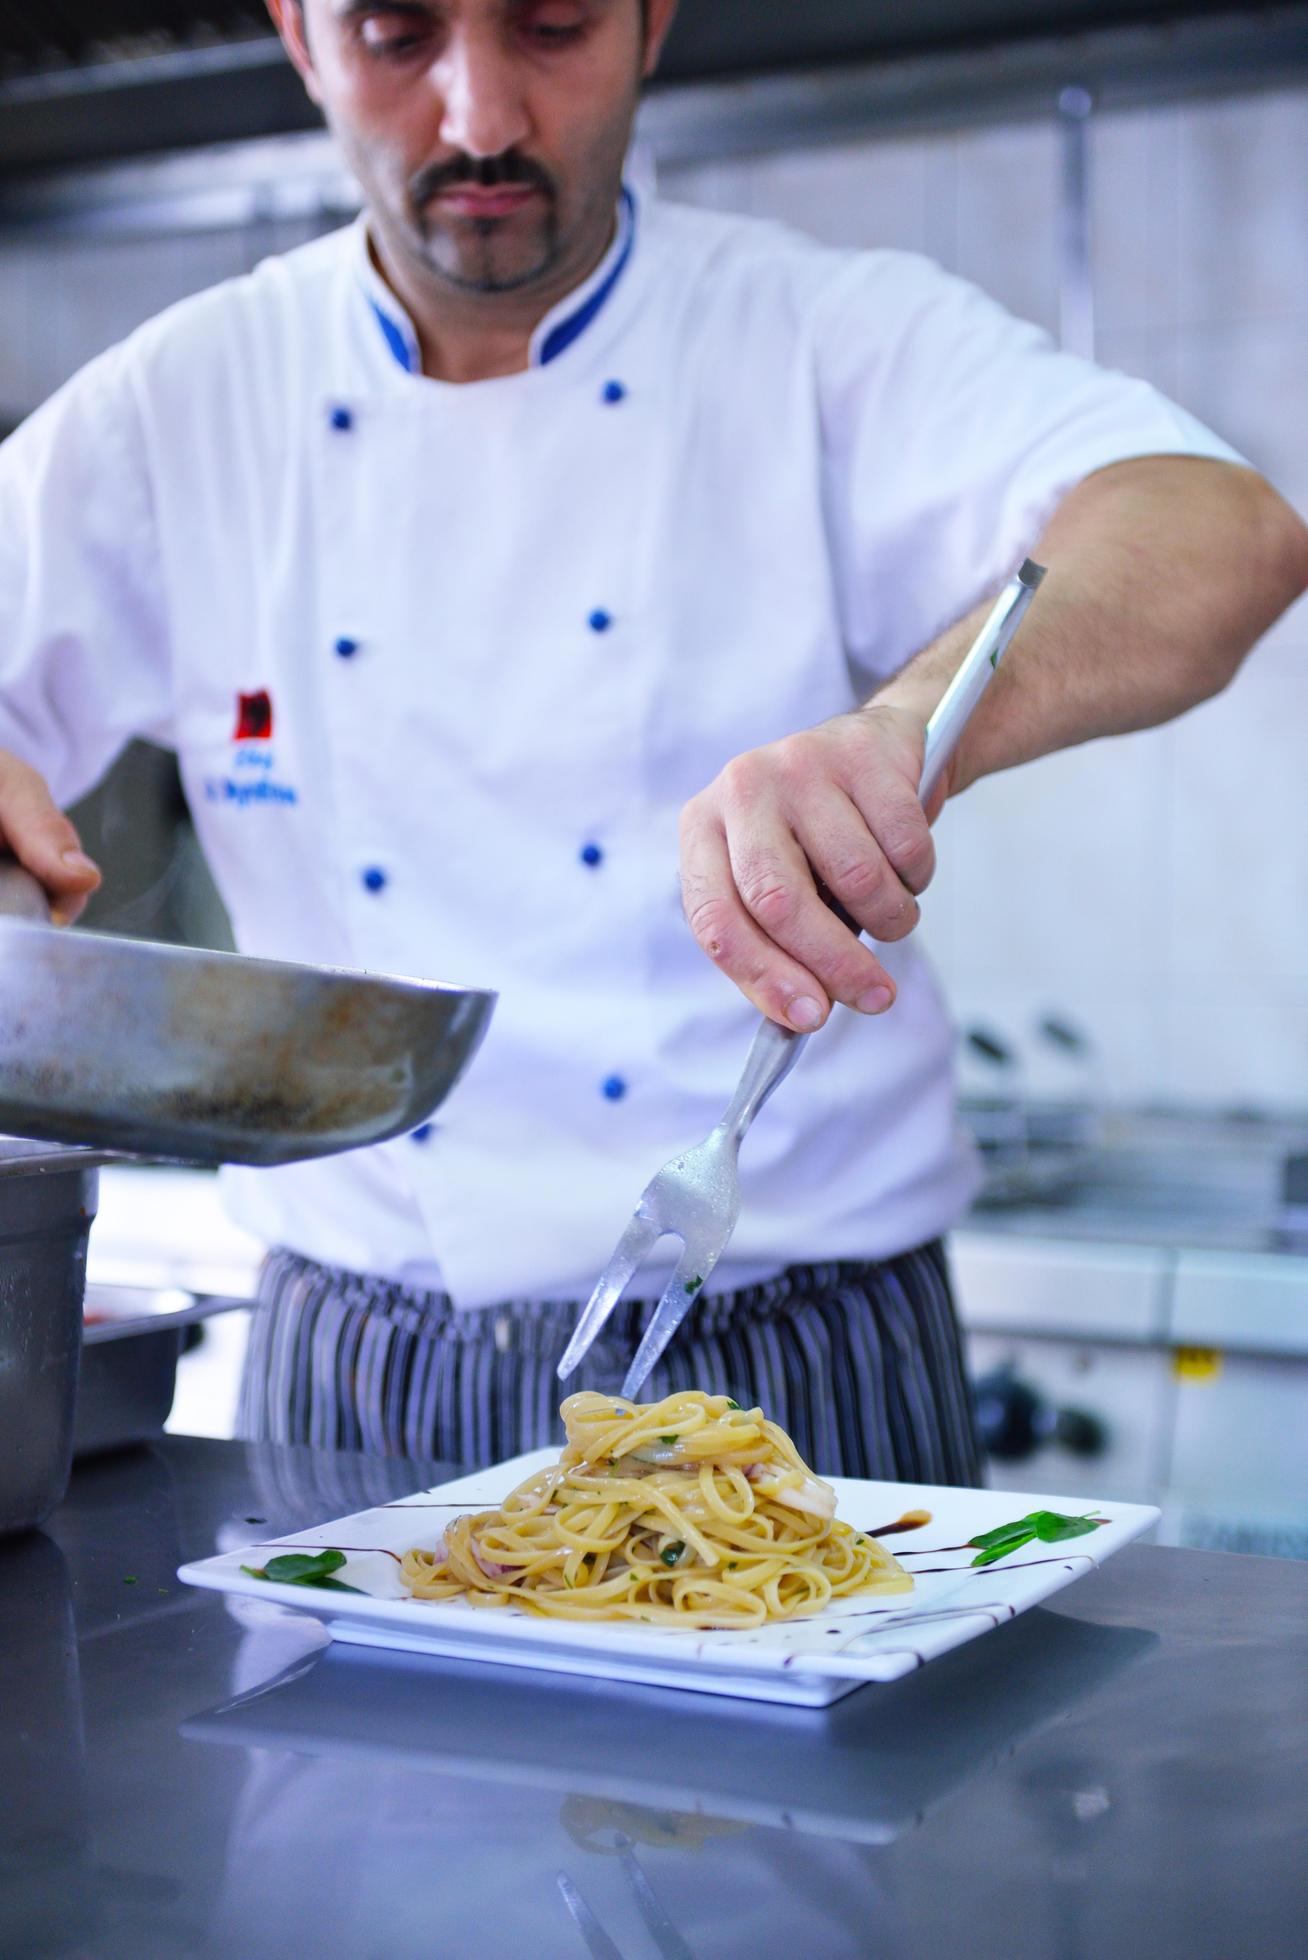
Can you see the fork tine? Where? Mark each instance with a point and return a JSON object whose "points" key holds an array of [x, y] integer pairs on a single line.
{"points": [[641, 1235], [681, 1291]]}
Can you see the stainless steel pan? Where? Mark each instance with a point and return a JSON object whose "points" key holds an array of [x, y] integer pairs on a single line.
{"points": [[211, 1058]]}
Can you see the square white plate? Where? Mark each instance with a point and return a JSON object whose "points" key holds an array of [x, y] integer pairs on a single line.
{"points": [[807, 1663]]}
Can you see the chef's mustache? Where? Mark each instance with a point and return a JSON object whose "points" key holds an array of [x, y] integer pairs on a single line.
{"points": [[487, 173]]}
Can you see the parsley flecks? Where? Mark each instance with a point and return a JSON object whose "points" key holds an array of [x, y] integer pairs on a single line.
{"points": [[731, 1404], [693, 1285], [669, 1439], [671, 1553], [1049, 1527]]}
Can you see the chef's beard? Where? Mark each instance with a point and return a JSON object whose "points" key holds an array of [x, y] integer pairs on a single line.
{"points": [[488, 255]]}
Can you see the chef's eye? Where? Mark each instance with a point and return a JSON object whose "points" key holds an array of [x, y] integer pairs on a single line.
{"points": [[553, 27], [393, 33]]}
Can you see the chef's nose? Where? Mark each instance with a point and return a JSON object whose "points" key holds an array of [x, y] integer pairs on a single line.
{"points": [[484, 106]]}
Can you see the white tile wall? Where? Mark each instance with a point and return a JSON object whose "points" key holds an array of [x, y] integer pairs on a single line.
{"points": [[1243, 210], [1136, 189], [1007, 217], [811, 190], [63, 302], [1154, 889], [19, 384]]}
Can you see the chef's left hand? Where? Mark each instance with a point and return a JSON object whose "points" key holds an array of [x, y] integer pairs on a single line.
{"points": [[837, 803]]}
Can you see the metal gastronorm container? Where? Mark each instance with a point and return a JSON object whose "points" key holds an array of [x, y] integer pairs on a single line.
{"points": [[48, 1199], [131, 1345]]}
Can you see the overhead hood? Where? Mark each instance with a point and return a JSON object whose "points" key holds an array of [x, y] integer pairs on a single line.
{"points": [[84, 81]]}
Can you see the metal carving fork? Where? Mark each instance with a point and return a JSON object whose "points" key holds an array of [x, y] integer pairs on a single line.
{"points": [[696, 1196]]}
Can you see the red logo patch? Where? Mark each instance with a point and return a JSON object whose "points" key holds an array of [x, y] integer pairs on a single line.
{"points": [[254, 717]]}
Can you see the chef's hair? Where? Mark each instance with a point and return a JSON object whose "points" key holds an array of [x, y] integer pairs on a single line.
{"points": [[644, 8]]}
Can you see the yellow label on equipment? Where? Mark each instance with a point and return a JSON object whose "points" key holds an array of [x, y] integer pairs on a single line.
{"points": [[1197, 1364]]}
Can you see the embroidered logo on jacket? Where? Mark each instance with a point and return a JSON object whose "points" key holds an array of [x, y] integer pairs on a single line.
{"points": [[254, 717], [253, 761]]}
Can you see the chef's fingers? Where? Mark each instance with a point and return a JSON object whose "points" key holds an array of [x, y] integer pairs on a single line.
{"points": [[778, 890], [779, 987], [851, 863], [883, 785], [40, 836]]}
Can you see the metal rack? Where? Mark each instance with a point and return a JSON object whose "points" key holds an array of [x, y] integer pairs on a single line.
{"points": [[93, 81]]}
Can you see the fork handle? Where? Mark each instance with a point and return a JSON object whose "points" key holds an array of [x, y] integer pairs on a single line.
{"points": [[775, 1049]]}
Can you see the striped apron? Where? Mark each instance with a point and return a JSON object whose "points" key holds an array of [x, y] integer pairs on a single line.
{"points": [[861, 1363]]}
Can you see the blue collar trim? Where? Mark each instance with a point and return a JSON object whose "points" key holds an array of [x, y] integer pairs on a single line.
{"points": [[403, 341], [561, 337], [396, 339]]}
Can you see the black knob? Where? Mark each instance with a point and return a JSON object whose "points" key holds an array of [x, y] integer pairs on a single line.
{"points": [[1014, 1421], [1080, 1432], [982, 1042], [1008, 1415], [1061, 1034]]}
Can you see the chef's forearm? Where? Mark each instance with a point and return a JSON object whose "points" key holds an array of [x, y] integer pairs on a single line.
{"points": [[1164, 572]]}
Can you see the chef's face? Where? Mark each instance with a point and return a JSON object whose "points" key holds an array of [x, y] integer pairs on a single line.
{"points": [[488, 135]]}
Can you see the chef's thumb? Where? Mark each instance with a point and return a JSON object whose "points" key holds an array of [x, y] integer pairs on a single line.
{"points": [[39, 835]]}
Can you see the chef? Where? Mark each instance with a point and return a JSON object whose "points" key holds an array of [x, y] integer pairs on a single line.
{"points": [[542, 588]]}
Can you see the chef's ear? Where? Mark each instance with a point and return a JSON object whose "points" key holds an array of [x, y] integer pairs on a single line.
{"points": [[659, 16], [288, 19]]}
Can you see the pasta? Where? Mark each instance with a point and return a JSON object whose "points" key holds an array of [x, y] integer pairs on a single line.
{"points": [[691, 1512]]}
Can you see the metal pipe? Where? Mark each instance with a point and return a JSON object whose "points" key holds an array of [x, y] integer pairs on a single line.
{"points": [[1076, 295]]}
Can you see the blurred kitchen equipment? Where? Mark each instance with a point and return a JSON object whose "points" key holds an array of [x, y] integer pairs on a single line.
{"points": [[696, 1197], [1291, 1223], [212, 1058], [990, 1088], [1033, 1107], [1066, 1086], [47, 1201], [1014, 1420], [131, 1344]]}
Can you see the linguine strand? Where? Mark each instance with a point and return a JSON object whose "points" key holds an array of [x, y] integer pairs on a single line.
{"points": [[689, 1512]]}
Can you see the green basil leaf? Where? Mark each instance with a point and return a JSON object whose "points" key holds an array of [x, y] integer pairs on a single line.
{"points": [[994, 1552], [1053, 1528], [333, 1585], [1004, 1534], [303, 1568]]}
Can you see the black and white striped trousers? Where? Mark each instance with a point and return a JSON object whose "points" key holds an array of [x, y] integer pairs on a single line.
{"points": [[861, 1363]]}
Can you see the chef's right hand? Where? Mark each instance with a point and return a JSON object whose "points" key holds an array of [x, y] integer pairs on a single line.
{"points": [[40, 836]]}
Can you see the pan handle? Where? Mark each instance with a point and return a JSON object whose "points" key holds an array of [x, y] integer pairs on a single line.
{"points": [[21, 895]]}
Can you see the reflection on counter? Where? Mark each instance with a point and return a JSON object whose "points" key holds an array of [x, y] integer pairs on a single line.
{"points": [[1091, 1769], [867, 1769], [569, 1779], [44, 1815]]}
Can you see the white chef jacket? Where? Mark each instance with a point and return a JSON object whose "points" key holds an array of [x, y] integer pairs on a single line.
{"points": [[504, 631]]}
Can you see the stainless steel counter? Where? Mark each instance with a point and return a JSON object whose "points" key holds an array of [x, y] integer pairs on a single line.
{"points": [[1121, 1772]]}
